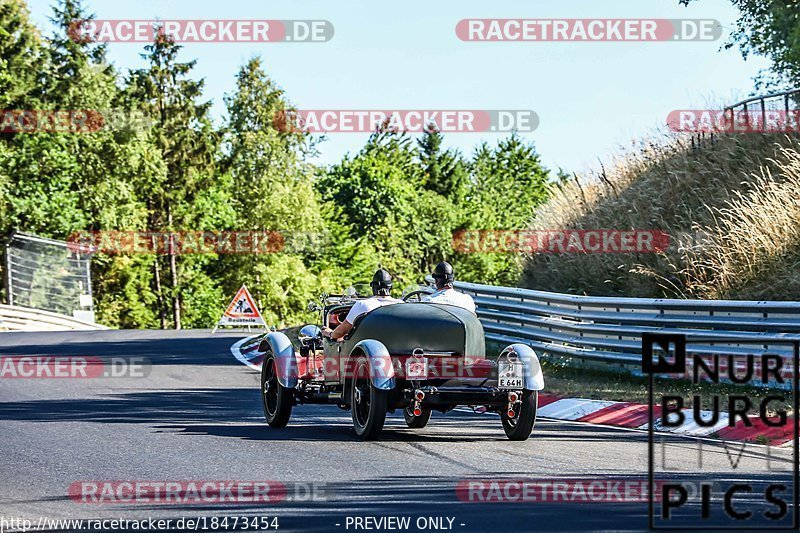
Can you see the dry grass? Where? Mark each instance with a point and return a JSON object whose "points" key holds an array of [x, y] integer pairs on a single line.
{"points": [[739, 194], [753, 243]]}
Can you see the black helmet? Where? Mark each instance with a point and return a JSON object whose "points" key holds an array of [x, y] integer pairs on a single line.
{"points": [[444, 274], [381, 282]]}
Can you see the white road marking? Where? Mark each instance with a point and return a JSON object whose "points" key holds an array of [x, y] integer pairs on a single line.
{"points": [[236, 350]]}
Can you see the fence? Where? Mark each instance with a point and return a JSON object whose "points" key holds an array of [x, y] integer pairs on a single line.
{"points": [[49, 275], [609, 330], [786, 103]]}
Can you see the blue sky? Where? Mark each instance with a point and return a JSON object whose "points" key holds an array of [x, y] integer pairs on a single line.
{"points": [[591, 98]]}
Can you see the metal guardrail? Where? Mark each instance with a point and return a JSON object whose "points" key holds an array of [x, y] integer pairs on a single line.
{"points": [[610, 330], [15, 318], [784, 101], [787, 103]]}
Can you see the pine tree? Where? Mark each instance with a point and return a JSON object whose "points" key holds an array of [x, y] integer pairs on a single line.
{"points": [[183, 135], [272, 191], [273, 185], [21, 57], [79, 76], [444, 170]]}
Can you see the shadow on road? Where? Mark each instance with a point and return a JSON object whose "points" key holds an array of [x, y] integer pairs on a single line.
{"points": [[193, 405], [160, 347]]}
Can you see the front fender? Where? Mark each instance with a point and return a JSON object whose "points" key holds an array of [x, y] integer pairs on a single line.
{"points": [[381, 371], [534, 379], [285, 359]]}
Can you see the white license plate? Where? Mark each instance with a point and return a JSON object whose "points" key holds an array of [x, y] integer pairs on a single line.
{"points": [[417, 368], [509, 375]]}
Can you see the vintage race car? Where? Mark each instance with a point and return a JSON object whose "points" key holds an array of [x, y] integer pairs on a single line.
{"points": [[415, 357]]}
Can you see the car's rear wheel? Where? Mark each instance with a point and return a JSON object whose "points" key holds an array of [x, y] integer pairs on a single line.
{"points": [[520, 426], [276, 399], [417, 422], [369, 404]]}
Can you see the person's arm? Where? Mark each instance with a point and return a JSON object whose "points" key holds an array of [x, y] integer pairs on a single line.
{"points": [[344, 328], [340, 331]]}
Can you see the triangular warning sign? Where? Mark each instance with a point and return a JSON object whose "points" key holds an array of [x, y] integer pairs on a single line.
{"points": [[242, 311]]}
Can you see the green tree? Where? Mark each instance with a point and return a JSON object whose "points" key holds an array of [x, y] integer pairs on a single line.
{"points": [[506, 184], [444, 171], [377, 192], [273, 185], [272, 190], [79, 75], [21, 56], [769, 28], [188, 145]]}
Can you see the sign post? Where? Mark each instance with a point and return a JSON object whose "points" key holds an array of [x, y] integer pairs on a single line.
{"points": [[242, 311]]}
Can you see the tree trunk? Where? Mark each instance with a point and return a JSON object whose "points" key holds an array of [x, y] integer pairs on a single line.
{"points": [[173, 272], [159, 291]]}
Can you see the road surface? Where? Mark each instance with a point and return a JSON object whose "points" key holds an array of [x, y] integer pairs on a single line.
{"points": [[196, 415]]}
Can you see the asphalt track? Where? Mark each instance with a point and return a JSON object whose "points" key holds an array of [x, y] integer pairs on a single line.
{"points": [[197, 416]]}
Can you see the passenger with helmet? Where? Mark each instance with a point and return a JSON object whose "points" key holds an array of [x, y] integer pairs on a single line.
{"points": [[444, 275], [381, 287]]}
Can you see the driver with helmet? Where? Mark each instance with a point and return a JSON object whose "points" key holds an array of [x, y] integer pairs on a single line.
{"points": [[444, 275], [381, 287]]}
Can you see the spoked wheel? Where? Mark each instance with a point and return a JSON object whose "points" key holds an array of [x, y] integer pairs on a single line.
{"points": [[276, 398], [520, 426], [369, 404], [417, 422]]}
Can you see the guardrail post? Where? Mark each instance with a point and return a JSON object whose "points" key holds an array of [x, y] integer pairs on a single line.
{"points": [[7, 255], [786, 112]]}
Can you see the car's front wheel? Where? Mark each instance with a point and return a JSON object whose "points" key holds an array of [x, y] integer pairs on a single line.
{"points": [[369, 404], [519, 426], [417, 422], [276, 398]]}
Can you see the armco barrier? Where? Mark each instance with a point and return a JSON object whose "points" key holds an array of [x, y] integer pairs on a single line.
{"points": [[15, 318], [609, 330]]}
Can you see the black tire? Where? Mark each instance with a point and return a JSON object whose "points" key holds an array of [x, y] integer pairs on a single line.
{"points": [[368, 404], [520, 427], [275, 398], [417, 422]]}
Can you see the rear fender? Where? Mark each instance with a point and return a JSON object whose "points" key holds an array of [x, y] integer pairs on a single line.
{"points": [[381, 371], [285, 358], [533, 377]]}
